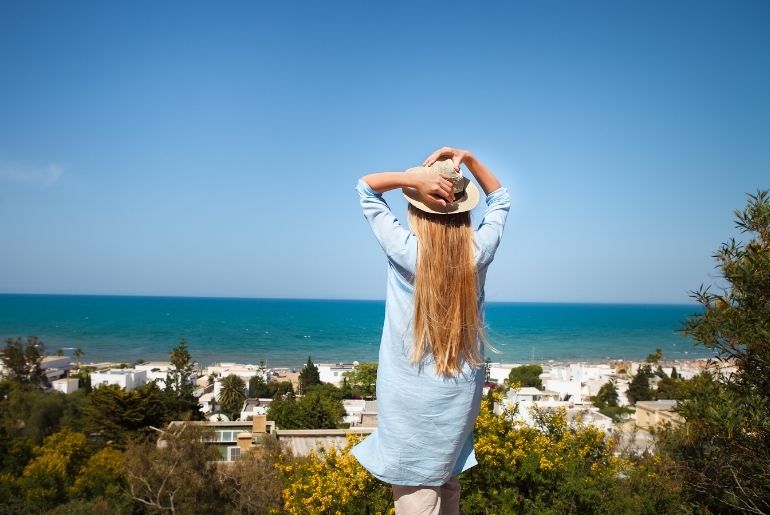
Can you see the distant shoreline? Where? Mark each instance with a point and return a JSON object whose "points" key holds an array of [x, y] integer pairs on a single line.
{"points": [[341, 300], [285, 332]]}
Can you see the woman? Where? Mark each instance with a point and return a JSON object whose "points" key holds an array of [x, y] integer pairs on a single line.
{"points": [[431, 371]]}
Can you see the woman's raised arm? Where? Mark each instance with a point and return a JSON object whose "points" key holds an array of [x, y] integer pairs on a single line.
{"points": [[429, 185]]}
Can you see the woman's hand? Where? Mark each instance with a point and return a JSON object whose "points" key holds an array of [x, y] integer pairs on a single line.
{"points": [[433, 187], [458, 156], [481, 173]]}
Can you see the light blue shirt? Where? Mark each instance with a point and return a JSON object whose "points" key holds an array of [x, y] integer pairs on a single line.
{"points": [[424, 421]]}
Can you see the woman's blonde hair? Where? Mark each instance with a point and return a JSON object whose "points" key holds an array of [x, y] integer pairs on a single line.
{"points": [[447, 322]]}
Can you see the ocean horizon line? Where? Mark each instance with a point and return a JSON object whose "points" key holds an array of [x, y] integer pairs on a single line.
{"points": [[340, 299]]}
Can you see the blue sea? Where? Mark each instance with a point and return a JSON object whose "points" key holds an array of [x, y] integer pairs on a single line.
{"points": [[286, 332]]}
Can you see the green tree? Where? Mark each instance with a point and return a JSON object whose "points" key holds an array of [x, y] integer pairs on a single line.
{"points": [[35, 414], [261, 390], [258, 388], [364, 378], [78, 353], [320, 408], [285, 412], [607, 395], [309, 376], [606, 400], [232, 393], [722, 449], [22, 360], [182, 403], [639, 387], [179, 376], [118, 416], [669, 388], [526, 375]]}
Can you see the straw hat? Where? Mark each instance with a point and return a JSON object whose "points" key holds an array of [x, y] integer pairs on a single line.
{"points": [[466, 193]]}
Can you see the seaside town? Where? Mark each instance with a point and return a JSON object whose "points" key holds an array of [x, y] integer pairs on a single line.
{"points": [[573, 387]]}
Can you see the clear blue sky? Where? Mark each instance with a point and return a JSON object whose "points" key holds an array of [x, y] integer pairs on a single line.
{"points": [[212, 148]]}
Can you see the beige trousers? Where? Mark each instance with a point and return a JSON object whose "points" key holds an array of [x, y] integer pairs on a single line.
{"points": [[428, 500]]}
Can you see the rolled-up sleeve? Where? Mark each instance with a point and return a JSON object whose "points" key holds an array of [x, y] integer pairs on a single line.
{"points": [[393, 238], [490, 231]]}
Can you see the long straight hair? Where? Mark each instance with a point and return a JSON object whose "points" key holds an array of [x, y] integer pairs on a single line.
{"points": [[447, 323]]}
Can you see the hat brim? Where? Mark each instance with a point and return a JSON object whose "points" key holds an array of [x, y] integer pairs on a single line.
{"points": [[466, 202]]}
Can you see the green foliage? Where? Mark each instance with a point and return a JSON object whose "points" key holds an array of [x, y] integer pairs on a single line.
{"points": [[258, 387], [606, 400], [308, 376], [639, 387], [261, 390], [181, 403], [320, 408], [22, 361], [232, 393], [670, 388], [77, 354], [722, 450], [607, 396], [118, 416], [33, 414], [526, 375], [363, 379]]}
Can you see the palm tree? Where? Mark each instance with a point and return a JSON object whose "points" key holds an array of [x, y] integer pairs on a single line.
{"points": [[78, 353], [232, 393]]}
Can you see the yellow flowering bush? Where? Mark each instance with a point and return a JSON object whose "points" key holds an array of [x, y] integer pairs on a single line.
{"points": [[332, 481], [551, 467]]}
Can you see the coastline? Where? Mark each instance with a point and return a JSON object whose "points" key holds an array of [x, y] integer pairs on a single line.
{"points": [[284, 332]]}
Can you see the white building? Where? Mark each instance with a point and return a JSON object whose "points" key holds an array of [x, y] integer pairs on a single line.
{"points": [[65, 385], [158, 371], [353, 411], [254, 407], [577, 381], [207, 402], [528, 400], [245, 372], [360, 413], [499, 372], [127, 378], [590, 416], [55, 367], [334, 372]]}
